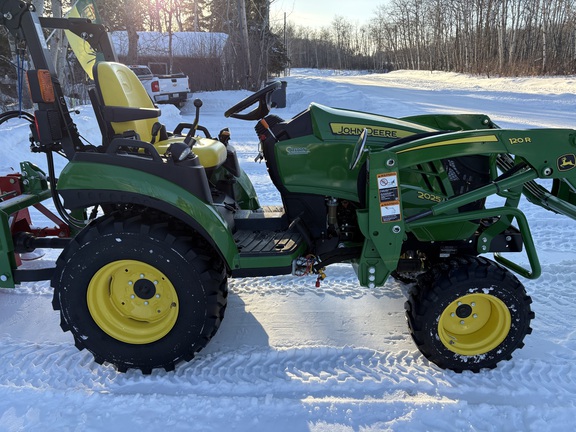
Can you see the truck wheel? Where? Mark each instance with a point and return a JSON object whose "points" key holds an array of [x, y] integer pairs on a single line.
{"points": [[139, 295], [468, 314]]}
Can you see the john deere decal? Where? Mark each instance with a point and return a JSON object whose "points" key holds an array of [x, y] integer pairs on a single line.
{"points": [[373, 131], [566, 162]]}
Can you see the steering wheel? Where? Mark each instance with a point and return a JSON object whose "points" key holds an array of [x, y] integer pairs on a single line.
{"points": [[358, 150], [262, 96]]}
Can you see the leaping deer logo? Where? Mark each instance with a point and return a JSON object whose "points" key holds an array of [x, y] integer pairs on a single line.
{"points": [[566, 162]]}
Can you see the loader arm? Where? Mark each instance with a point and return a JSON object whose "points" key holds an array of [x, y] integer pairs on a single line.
{"points": [[523, 156], [548, 154]]}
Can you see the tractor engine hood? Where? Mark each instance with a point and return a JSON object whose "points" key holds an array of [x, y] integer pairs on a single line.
{"points": [[331, 124]]}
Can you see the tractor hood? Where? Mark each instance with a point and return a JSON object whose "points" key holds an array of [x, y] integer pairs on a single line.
{"points": [[331, 124]]}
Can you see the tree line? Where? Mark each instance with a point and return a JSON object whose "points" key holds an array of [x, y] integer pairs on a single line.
{"points": [[505, 37]]}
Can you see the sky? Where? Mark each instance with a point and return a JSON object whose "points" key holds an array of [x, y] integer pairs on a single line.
{"points": [[320, 13]]}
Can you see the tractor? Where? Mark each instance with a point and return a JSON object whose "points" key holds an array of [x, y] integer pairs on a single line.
{"points": [[152, 223]]}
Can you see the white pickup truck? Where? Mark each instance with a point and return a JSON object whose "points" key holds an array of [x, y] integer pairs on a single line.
{"points": [[163, 89]]}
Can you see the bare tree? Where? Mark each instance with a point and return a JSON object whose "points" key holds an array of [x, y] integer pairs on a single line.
{"points": [[131, 20]]}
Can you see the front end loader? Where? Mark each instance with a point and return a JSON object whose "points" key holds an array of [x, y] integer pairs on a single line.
{"points": [[153, 222]]}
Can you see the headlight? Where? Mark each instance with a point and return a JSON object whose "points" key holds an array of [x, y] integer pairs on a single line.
{"points": [[178, 152]]}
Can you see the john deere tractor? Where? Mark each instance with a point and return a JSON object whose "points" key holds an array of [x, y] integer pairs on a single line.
{"points": [[152, 223]]}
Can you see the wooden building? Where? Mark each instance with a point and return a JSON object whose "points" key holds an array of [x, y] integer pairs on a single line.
{"points": [[199, 55]]}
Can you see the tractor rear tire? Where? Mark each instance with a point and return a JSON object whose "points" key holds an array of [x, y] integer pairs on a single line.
{"points": [[138, 294], [468, 314]]}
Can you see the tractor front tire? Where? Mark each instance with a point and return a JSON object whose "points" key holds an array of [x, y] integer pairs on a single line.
{"points": [[138, 294], [468, 314]]}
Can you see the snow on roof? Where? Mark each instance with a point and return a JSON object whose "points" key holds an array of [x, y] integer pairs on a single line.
{"points": [[184, 44]]}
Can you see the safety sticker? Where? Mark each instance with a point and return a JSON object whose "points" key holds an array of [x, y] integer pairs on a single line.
{"points": [[389, 197]]}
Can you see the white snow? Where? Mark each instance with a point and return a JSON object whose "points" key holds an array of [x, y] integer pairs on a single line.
{"points": [[293, 357]]}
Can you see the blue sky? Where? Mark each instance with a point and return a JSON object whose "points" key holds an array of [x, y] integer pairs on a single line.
{"points": [[320, 13]]}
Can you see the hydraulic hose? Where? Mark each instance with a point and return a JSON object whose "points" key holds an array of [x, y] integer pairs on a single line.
{"points": [[8, 115], [59, 207]]}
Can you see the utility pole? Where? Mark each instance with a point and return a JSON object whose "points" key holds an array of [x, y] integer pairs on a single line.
{"points": [[170, 37], [196, 23], [264, 44], [286, 69], [245, 41], [130, 13]]}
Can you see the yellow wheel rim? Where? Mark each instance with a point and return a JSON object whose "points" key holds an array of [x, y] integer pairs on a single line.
{"points": [[132, 302], [474, 324]]}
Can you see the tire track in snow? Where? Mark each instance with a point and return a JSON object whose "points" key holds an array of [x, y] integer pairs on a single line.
{"points": [[554, 299], [341, 282], [296, 373]]}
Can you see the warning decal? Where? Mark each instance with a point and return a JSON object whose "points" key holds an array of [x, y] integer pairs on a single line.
{"points": [[389, 197]]}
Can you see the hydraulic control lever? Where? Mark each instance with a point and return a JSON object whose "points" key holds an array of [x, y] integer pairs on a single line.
{"points": [[198, 104]]}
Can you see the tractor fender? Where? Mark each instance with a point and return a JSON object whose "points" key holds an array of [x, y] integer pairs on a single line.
{"points": [[85, 184]]}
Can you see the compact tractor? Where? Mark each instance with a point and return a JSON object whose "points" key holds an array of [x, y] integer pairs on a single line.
{"points": [[152, 223]]}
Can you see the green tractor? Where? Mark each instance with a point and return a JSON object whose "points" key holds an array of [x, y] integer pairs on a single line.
{"points": [[152, 223]]}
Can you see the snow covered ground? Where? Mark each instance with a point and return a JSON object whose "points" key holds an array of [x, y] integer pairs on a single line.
{"points": [[293, 357]]}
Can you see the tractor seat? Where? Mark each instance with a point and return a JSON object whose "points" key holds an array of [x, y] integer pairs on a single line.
{"points": [[122, 106]]}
